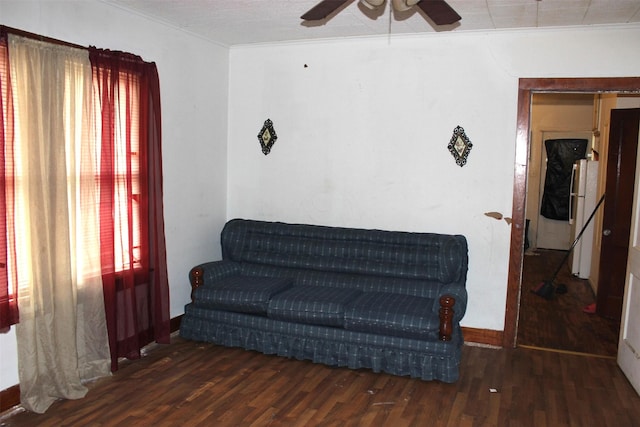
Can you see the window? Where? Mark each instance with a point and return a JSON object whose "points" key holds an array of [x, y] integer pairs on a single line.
{"points": [[8, 301], [123, 172], [103, 193]]}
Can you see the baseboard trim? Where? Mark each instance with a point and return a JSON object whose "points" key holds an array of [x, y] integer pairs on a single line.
{"points": [[482, 336], [175, 323], [10, 397]]}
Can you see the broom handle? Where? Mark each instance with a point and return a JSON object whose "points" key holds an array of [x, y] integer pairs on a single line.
{"points": [[575, 242]]}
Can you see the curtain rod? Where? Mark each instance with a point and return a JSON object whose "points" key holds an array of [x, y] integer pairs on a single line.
{"points": [[6, 30], [125, 56]]}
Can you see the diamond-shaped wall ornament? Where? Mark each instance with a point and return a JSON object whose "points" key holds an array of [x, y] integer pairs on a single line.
{"points": [[267, 136], [460, 146]]}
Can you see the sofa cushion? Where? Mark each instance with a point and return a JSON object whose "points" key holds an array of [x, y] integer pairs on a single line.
{"points": [[393, 314], [245, 294], [316, 305]]}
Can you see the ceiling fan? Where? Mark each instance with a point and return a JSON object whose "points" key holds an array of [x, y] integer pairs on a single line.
{"points": [[438, 10]]}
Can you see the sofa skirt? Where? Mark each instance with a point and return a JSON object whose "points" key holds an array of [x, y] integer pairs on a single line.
{"points": [[427, 360]]}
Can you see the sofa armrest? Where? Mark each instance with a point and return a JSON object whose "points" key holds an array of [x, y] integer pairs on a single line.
{"points": [[210, 272], [446, 317], [451, 307], [459, 292]]}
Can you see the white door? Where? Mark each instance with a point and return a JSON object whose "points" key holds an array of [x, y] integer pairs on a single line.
{"points": [[629, 342]]}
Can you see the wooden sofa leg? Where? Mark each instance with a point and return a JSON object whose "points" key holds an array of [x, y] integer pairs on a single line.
{"points": [[446, 317], [196, 279]]}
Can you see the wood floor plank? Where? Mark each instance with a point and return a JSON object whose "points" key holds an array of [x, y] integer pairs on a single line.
{"points": [[195, 384]]}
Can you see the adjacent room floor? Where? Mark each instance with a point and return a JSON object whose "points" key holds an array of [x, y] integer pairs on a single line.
{"points": [[561, 323]]}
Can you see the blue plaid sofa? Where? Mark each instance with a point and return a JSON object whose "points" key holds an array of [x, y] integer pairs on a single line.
{"points": [[383, 300]]}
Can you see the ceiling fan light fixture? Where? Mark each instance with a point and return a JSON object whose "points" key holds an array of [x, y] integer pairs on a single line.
{"points": [[372, 4], [403, 5], [437, 11]]}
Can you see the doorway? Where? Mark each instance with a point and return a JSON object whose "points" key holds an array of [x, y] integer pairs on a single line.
{"points": [[527, 87], [562, 136]]}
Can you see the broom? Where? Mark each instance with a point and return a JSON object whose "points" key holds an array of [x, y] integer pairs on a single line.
{"points": [[546, 288]]}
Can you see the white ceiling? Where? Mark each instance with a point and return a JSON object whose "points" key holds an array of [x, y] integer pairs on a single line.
{"points": [[232, 22]]}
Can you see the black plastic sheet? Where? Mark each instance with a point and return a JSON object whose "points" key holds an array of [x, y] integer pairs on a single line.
{"points": [[561, 155]]}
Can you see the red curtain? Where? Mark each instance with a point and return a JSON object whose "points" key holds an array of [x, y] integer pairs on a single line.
{"points": [[8, 284], [133, 251]]}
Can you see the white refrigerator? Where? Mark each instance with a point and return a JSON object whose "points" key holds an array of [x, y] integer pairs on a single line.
{"points": [[583, 200]]}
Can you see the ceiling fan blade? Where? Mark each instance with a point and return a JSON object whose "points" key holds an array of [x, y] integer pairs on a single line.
{"points": [[322, 10], [439, 11]]}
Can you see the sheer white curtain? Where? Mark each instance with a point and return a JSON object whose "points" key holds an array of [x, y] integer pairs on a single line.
{"points": [[62, 335]]}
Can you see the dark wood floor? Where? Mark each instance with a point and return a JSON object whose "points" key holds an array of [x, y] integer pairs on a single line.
{"points": [[196, 384], [193, 384], [560, 323]]}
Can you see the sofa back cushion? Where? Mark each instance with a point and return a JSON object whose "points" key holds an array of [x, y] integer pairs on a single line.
{"points": [[424, 256]]}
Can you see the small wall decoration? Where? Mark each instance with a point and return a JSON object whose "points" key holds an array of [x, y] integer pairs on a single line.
{"points": [[267, 136], [460, 146]]}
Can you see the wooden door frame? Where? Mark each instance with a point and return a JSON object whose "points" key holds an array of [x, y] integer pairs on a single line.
{"points": [[526, 88]]}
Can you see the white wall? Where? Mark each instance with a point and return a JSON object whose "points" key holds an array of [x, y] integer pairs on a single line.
{"points": [[363, 132], [194, 89]]}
